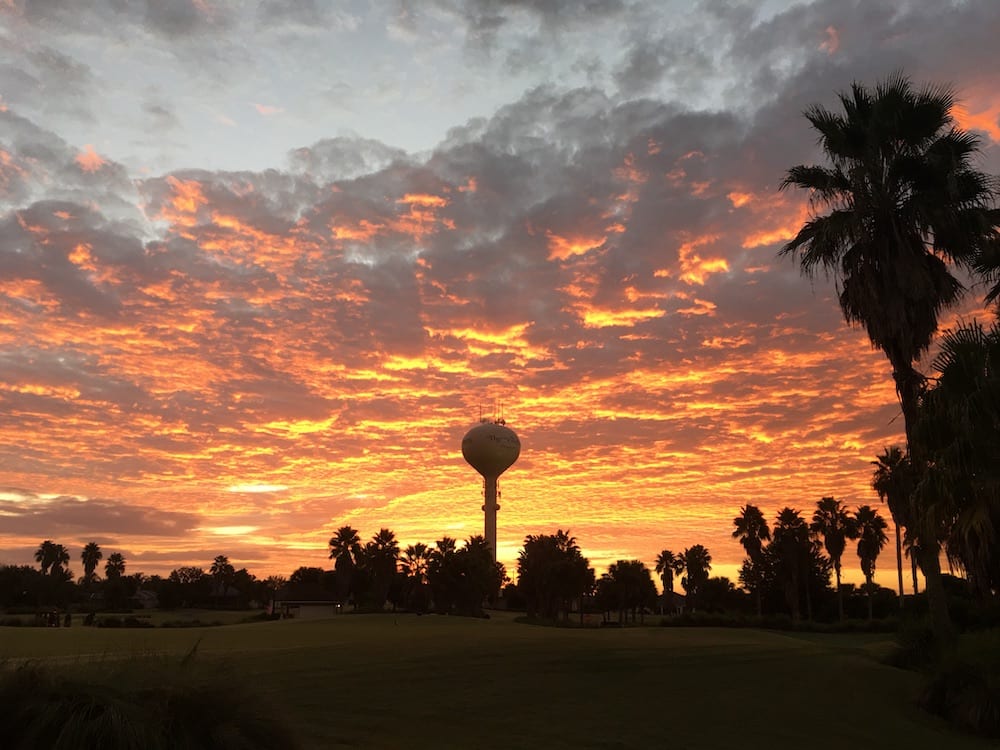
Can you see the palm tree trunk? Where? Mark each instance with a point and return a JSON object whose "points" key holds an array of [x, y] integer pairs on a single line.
{"points": [[937, 600], [899, 564], [908, 386], [913, 566], [840, 596], [868, 586]]}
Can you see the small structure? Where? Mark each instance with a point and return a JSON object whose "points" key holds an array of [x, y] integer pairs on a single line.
{"points": [[305, 601]]}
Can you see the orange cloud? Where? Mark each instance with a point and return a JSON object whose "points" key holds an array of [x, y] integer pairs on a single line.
{"points": [[362, 231], [739, 199], [188, 196], [89, 160], [564, 248], [694, 268], [832, 42], [985, 119]]}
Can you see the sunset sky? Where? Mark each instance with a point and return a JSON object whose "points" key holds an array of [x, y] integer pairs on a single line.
{"points": [[263, 263]]}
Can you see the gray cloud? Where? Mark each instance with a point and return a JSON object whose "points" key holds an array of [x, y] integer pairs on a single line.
{"points": [[64, 516]]}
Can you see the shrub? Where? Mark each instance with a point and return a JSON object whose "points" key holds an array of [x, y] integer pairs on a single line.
{"points": [[143, 704], [121, 622], [966, 695]]}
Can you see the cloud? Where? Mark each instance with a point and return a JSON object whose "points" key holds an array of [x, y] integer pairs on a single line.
{"points": [[31, 515]]}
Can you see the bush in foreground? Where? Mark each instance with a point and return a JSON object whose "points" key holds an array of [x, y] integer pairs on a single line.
{"points": [[966, 695], [144, 704]]}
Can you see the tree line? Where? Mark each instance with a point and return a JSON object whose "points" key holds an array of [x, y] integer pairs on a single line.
{"points": [[52, 584]]}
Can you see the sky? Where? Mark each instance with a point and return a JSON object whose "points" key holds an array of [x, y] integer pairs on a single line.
{"points": [[263, 264]]}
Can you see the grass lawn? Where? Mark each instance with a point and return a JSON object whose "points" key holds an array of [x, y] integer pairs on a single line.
{"points": [[412, 682]]}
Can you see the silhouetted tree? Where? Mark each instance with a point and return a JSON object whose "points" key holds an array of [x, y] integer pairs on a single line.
{"points": [[551, 573], [904, 202], [871, 540], [345, 551], [791, 548], [667, 564], [222, 572], [190, 585], [627, 587], [892, 480], [379, 562], [53, 559], [718, 594], [115, 566], [477, 575], [959, 427], [442, 574], [90, 556], [752, 531], [22, 585], [415, 562], [835, 526], [695, 562]]}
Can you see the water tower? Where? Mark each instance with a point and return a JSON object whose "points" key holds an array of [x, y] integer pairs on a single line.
{"points": [[491, 448]]}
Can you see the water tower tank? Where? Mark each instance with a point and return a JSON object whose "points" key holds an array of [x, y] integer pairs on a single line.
{"points": [[491, 448]]}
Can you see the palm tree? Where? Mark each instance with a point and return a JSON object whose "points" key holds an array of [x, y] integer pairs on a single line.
{"points": [[871, 540], [696, 562], [45, 555], [90, 556], [904, 202], [832, 522], [345, 551], [752, 531], [893, 481], [115, 566], [382, 556], [414, 561], [53, 559], [667, 563], [441, 573], [222, 571], [791, 549], [959, 429], [345, 545]]}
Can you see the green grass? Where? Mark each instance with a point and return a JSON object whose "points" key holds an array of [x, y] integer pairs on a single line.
{"points": [[412, 682]]}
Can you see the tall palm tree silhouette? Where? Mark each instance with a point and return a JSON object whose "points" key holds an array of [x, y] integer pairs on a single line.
{"points": [[892, 480], [791, 547], [90, 557], [667, 564], [960, 415], [752, 531], [345, 551], [115, 566], [696, 562], [871, 540], [835, 526], [904, 201]]}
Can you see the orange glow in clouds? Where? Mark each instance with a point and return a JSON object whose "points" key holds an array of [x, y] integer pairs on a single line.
{"points": [[89, 160], [984, 118]]}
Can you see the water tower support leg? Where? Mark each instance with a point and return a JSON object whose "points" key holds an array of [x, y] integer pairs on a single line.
{"points": [[490, 511]]}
